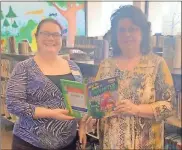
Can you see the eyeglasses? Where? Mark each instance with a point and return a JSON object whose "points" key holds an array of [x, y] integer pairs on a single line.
{"points": [[130, 30], [46, 35]]}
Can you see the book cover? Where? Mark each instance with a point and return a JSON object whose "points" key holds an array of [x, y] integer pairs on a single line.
{"points": [[74, 97], [97, 99], [102, 97]]}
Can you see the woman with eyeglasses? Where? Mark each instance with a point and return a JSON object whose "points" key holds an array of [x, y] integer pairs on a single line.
{"points": [[146, 89], [34, 95]]}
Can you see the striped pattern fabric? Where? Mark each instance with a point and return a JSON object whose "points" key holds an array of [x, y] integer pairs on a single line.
{"points": [[29, 88]]}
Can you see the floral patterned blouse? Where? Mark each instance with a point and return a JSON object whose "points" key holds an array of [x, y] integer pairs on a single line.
{"points": [[149, 83]]}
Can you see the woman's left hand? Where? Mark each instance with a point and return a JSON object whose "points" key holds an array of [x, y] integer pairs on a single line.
{"points": [[126, 107], [82, 136], [86, 124]]}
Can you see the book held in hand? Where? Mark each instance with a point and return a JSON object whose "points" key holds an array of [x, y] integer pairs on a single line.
{"points": [[97, 99]]}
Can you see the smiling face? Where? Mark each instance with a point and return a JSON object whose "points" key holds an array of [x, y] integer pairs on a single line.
{"points": [[129, 35], [49, 38]]}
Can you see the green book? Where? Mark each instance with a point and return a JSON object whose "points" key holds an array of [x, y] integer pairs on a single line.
{"points": [[97, 99]]}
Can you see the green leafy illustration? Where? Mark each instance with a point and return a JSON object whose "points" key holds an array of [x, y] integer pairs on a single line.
{"points": [[14, 25]]}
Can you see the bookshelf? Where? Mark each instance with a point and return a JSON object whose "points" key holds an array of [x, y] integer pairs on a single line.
{"points": [[169, 47], [19, 57]]}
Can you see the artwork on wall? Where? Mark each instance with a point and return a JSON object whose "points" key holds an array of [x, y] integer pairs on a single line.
{"points": [[20, 19]]}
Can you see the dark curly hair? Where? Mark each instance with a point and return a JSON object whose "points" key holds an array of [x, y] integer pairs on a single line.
{"points": [[139, 19]]}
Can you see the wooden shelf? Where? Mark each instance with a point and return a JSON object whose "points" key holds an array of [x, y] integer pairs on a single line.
{"points": [[80, 48], [86, 50], [174, 122], [16, 56]]}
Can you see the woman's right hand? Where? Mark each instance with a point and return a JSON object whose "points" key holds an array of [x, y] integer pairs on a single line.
{"points": [[60, 114]]}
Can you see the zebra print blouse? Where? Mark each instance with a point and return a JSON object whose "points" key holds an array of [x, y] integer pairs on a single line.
{"points": [[28, 88]]}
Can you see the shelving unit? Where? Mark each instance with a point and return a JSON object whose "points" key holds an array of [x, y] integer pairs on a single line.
{"points": [[174, 122]]}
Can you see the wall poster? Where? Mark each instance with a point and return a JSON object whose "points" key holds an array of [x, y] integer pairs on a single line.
{"points": [[20, 19]]}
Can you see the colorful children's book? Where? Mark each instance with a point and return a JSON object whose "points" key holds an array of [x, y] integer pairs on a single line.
{"points": [[97, 99]]}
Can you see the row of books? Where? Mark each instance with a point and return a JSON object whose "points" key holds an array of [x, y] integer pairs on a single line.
{"points": [[99, 47], [157, 40], [84, 42], [4, 111], [7, 67], [173, 142], [169, 47], [178, 105], [3, 88]]}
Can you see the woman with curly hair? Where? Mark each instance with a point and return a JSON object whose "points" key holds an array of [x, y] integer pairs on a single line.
{"points": [[146, 89]]}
